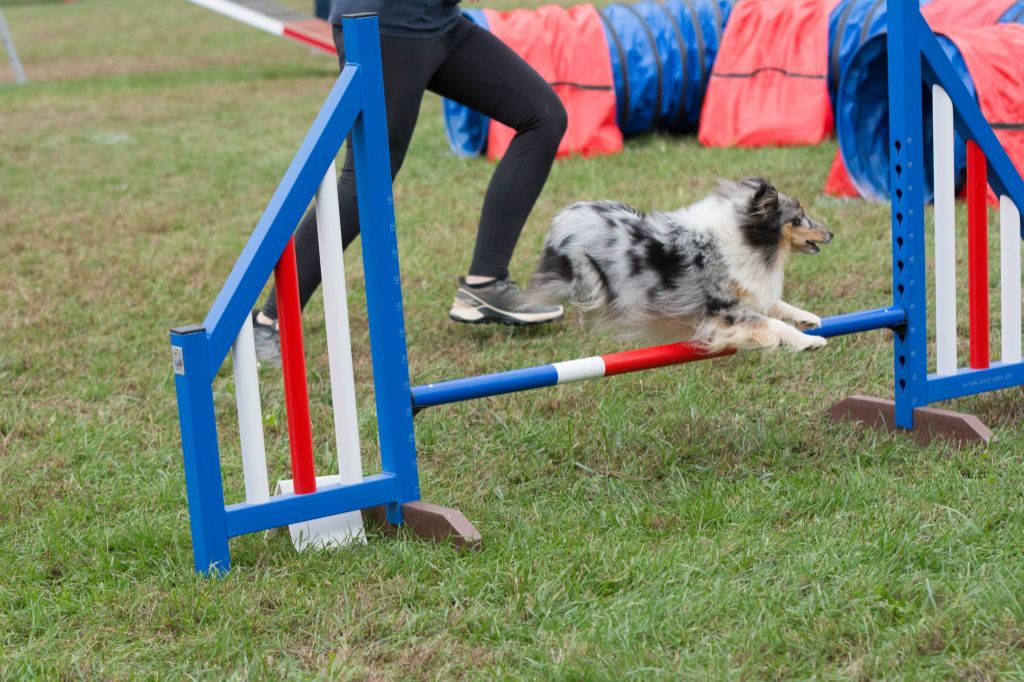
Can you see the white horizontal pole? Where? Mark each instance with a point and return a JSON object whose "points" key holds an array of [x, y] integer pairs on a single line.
{"points": [[1009, 269], [945, 234], [244, 15], [250, 416]]}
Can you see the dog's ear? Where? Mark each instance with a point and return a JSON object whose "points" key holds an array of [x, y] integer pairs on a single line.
{"points": [[766, 197]]}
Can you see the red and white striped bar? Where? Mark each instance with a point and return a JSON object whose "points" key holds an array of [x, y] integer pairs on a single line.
{"points": [[277, 20], [1009, 283], [945, 233], [977, 255], [540, 376]]}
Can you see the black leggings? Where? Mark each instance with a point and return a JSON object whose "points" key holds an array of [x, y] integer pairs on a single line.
{"points": [[471, 66]]}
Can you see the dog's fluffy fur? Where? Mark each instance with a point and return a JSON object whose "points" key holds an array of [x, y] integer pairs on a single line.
{"points": [[710, 273]]}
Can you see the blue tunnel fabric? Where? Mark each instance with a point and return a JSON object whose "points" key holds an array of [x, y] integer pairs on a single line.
{"points": [[661, 55], [853, 22], [466, 128], [862, 119]]}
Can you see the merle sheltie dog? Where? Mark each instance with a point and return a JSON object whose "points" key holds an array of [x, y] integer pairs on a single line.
{"points": [[710, 273]]}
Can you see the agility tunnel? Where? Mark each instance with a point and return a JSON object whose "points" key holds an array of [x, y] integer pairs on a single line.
{"points": [[768, 82], [988, 61], [855, 23], [655, 57], [326, 510]]}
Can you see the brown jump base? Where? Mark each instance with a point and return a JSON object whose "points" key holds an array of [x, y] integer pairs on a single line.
{"points": [[431, 522], [929, 422]]}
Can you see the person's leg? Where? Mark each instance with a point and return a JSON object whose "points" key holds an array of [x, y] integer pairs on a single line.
{"points": [[485, 74], [407, 65]]}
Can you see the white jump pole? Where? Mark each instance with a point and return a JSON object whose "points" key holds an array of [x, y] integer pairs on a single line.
{"points": [[339, 342], [945, 233], [12, 52], [1009, 267], [339, 529], [250, 416]]}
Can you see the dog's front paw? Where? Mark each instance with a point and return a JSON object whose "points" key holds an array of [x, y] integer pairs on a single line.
{"points": [[806, 320], [808, 342]]}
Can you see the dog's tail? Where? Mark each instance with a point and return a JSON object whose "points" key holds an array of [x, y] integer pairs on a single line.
{"points": [[553, 280]]}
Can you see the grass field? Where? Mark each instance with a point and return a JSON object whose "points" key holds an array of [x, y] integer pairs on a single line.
{"points": [[698, 522]]}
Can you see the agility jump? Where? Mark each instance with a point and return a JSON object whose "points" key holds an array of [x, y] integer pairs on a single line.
{"points": [[325, 510]]}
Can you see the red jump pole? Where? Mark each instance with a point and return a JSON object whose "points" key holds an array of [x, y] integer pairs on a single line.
{"points": [[977, 254], [293, 361]]}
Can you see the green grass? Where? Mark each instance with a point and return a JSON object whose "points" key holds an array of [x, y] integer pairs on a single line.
{"points": [[696, 522]]}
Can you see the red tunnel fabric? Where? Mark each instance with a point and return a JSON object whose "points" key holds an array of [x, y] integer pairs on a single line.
{"points": [[769, 83], [952, 18], [993, 57], [576, 64]]}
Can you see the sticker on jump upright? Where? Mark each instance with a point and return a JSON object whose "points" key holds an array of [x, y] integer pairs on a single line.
{"points": [[179, 360]]}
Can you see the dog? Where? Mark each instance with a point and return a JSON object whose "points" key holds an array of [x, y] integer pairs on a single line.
{"points": [[711, 273]]}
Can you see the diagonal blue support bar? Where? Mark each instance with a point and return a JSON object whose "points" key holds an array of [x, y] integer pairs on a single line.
{"points": [[282, 215]]}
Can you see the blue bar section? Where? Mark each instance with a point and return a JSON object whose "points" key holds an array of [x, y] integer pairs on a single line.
{"points": [[541, 376], [388, 351], [191, 357], [485, 385], [860, 321], [284, 510], [282, 215], [907, 197], [971, 381]]}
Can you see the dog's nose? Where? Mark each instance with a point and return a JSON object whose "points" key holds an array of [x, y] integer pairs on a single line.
{"points": [[830, 235]]}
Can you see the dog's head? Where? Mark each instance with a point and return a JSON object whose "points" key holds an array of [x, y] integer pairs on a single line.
{"points": [[772, 222]]}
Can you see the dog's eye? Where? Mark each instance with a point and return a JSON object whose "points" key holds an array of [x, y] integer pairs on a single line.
{"points": [[796, 221]]}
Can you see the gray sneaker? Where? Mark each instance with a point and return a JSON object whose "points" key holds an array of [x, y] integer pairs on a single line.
{"points": [[268, 342], [499, 301]]}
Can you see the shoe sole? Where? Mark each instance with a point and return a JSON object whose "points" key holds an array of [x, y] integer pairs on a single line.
{"points": [[485, 314]]}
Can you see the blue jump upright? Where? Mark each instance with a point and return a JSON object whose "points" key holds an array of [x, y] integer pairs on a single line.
{"points": [[355, 105], [917, 59]]}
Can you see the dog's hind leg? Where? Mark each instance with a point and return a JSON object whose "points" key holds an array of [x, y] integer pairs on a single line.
{"points": [[790, 313], [747, 330]]}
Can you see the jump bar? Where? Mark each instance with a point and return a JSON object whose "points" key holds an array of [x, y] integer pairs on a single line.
{"points": [[624, 362]]}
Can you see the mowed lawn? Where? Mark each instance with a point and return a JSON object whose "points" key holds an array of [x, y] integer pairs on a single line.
{"points": [[697, 522]]}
